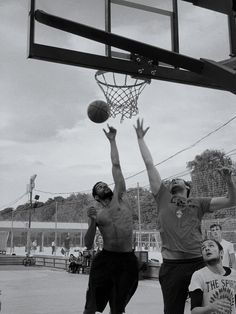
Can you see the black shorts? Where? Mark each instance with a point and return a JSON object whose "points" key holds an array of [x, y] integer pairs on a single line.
{"points": [[113, 278]]}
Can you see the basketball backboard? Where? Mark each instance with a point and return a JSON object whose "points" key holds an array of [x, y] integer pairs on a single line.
{"points": [[139, 38]]}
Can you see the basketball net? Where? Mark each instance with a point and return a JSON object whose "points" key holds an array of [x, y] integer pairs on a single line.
{"points": [[121, 92]]}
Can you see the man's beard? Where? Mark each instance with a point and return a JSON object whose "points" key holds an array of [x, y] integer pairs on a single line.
{"points": [[106, 195], [213, 261]]}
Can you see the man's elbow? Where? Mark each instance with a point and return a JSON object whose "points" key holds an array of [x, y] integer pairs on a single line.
{"points": [[116, 165], [229, 200], [88, 245], [232, 201]]}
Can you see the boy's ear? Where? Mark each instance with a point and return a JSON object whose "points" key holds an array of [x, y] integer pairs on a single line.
{"points": [[221, 255]]}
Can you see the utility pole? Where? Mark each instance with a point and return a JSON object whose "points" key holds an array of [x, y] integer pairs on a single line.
{"points": [[12, 217], [55, 238], [31, 187], [139, 219]]}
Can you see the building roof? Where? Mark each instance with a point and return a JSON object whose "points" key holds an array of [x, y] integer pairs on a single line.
{"points": [[36, 225]]}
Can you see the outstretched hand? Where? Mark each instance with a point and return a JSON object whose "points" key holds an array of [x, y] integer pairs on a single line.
{"points": [[139, 129], [225, 172], [111, 134]]}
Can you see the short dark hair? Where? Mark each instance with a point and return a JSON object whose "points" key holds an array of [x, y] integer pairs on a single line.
{"points": [[94, 193], [220, 247], [215, 225]]}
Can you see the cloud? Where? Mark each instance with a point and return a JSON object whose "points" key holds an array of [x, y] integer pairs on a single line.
{"points": [[44, 127], [37, 99]]}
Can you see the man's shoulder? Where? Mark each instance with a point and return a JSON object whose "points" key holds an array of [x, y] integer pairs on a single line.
{"points": [[204, 274], [122, 197], [201, 274], [226, 243], [202, 203], [202, 270], [223, 241]]}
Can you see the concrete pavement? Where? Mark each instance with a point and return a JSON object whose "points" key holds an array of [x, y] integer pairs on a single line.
{"points": [[35, 290]]}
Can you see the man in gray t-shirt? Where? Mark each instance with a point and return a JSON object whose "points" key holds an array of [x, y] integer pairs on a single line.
{"points": [[179, 221]]}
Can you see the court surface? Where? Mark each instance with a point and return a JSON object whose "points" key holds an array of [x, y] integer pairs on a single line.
{"points": [[33, 290]]}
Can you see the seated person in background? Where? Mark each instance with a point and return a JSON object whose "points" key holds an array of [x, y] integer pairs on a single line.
{"points": [[29, 260], [87, 256], [72, 265], [26, 260], [213, 288], [79, 262]]}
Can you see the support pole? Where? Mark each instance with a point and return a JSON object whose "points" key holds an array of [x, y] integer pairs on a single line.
{"points": [[12, 235], [139, 219], [232, 34], [175, 27], [55, 239], [31, 187]]}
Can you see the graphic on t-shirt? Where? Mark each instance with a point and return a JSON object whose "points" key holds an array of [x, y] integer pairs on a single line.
{"points": [[224, 292], [181, 203]]}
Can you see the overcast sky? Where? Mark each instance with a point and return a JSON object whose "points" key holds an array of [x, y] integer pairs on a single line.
{"points": [[44, 128]]}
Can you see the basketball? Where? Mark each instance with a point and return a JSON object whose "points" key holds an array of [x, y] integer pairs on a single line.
{"points": [[98, 111]]}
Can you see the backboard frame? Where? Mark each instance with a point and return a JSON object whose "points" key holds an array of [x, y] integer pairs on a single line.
{"points": [[227, 7], [173, 15], [146, 61]]}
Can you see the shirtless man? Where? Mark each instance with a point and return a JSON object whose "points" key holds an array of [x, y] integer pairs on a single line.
{"points": [[114, 272]]}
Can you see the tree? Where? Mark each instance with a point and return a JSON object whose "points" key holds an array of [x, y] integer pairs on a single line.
{"points": [[6, 213], [208, 160], [148, 209], [206, 179], [74, 209]]}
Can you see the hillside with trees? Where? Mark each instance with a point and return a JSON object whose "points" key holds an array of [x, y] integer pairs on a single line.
{"points": [[206, 181], [74, 209]]}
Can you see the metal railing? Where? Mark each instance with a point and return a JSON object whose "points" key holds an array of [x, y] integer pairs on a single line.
{"points": [[52, 261]]}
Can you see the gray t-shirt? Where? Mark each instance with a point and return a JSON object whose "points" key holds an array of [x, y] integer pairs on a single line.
{"points": [[179, 222]]}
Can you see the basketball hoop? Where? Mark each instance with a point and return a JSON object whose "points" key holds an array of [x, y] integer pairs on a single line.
{"points": [[121, 92]]}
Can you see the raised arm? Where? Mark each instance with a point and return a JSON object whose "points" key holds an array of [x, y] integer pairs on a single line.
{"points": [[153, 174], [116, 169], [230, 199]]}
